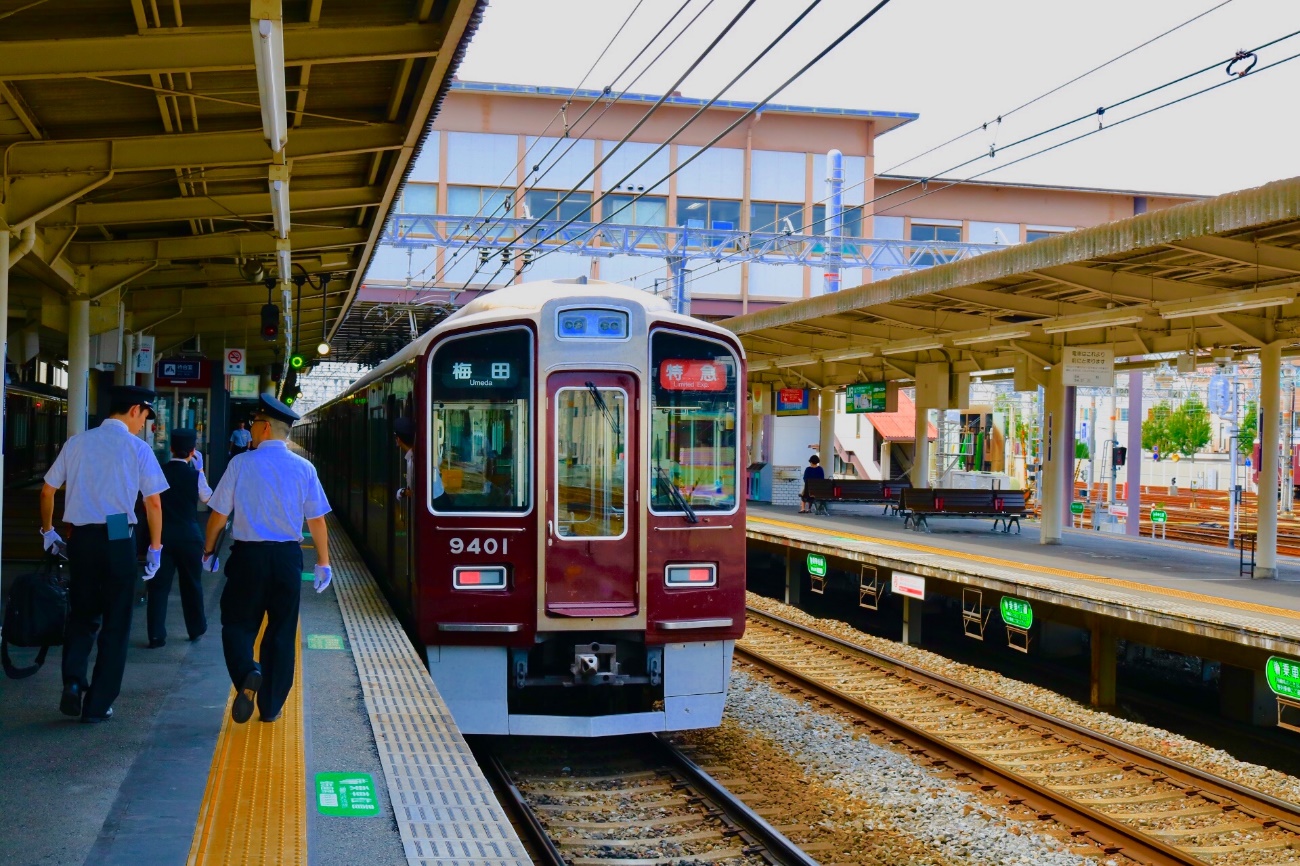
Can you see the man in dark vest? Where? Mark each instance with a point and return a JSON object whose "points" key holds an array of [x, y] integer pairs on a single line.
{"points": [[182, 542]]}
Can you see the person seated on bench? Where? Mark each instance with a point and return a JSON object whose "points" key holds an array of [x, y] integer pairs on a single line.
{"points": [[812, 471]]}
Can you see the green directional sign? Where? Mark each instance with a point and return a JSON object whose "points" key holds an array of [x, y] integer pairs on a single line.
{"points": [[325, 641], [348, 795], [1016, 612], [1159, 515], [1076, 507], [816, 565], [1283, 677]]}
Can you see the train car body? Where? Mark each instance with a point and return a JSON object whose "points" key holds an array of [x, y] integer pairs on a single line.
{"points": [[573, 558], [36, 424]]}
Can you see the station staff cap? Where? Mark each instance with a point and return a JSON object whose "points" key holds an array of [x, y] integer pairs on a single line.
{"points": [[184, 439], [273, 408], [135, 396], [404, 429]]}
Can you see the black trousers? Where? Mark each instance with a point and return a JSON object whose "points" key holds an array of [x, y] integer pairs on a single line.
{"points": [[183, 555], [101, 594], [262, 579]]}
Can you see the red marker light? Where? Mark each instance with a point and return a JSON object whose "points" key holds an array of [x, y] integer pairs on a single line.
{"points": [[471, 577], [700, 575]]}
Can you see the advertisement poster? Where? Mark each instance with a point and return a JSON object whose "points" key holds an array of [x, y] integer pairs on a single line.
{"points": [[791, 401], [865, 397]]}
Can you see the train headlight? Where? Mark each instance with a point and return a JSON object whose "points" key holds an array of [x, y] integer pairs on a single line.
{"points": [[479, 577], [692, 574]]}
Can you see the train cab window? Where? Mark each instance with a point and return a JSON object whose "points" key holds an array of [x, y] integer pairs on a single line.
{"points": [[694, 415], [591, 460], [480, 443]]}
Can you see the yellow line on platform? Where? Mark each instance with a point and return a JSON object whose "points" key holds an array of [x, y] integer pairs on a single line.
{"points": [[255, 807], [1045, 569]]}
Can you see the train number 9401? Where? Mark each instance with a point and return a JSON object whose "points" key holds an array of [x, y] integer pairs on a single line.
{"points": [[490, 546]]}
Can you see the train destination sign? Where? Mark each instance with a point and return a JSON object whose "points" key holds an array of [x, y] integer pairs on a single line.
{"points": [[816, 565], [681, 374], [1283, 677], [865, 397], [1017, 612], [476, 373]]}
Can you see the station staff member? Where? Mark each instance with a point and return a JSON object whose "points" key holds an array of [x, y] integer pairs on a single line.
{"points": [[104, 470], [404, 430], [187, 486], [270, 490], [240, 439]]}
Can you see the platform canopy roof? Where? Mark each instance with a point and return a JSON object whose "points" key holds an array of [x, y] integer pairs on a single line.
{"points": [[132, 142], [1213, 274]]}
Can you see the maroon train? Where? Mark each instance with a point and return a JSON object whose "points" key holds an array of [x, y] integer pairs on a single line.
{"points": [[573, 559]]}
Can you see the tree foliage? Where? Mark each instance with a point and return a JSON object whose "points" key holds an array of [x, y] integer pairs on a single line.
{"points": [[1155, 429], [1081, 450], [1188, 427], [1248, 430]]}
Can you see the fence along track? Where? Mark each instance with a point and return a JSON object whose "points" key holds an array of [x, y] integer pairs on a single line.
{"points": [[629, 801], [1149, 807]]}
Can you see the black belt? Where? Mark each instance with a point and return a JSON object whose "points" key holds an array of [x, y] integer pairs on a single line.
{"points": [[263, 543], [98, 528]]}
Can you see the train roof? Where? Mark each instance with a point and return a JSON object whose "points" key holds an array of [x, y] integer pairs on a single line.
{"points": [[525, 299]]}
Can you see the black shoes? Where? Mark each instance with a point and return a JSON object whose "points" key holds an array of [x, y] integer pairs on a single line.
{"points": [[70, 703], [156, 642], [242, 710], [195, 637], [272, 718], [90, 720]]}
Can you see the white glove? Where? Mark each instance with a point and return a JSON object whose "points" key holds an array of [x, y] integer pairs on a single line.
{"points": [[401, 493], [52, 541], [152, 562], [198, 460], [211, 562], [323, 577]]}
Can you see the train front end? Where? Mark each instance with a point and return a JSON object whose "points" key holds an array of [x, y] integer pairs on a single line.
{"points": [[581, 556]]}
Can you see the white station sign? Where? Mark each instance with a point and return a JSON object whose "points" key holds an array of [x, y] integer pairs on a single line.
{"points": [[910, 585], [236, 360], [1094, 367]]}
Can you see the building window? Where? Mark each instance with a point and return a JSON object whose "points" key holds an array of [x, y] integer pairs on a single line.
{"points": [[1123, 415], [481, 201], [549, 204], [650, 210], [704, 213], [1035, 235], [420, 198], [772, 217], [932, 232], [852, 221]]}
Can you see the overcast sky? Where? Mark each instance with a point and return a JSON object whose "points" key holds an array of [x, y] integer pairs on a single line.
{"points": [[959, 63]]}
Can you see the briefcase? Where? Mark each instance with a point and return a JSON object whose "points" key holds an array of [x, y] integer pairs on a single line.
{"points": [[36, 613]]}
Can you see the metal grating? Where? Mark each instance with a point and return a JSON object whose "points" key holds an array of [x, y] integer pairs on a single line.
{"points": [[445, 809]]}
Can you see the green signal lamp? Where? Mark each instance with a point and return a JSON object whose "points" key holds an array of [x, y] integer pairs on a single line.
{"points": [[296, 361], [289, 399]]}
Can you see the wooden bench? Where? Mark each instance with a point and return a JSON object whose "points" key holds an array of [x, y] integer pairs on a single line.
{"points": [[1006, 507], [826, 490]]}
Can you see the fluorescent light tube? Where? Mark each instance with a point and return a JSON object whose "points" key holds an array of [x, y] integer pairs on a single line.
{"points": [[284, 257], [990, 337], [279, 184], [910, 346], [1229, 302], [268, 54], [1090, 321]]}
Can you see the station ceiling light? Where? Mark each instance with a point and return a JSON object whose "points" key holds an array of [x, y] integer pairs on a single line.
{"points": [[1089, 321], [1228, 302], [989, 337], [323, 348], [910, 346], [268, 55], [278, 181]]}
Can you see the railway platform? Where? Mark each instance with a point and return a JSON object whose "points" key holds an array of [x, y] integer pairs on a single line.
{"points": [[1091, 590], [365, 765]]}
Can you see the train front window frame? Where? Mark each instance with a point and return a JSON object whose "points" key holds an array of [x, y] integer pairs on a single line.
{"points": [[694, 432], [591, 456], [480, 433]]}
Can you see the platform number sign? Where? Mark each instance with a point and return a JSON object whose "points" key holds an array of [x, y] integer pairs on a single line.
{"points": [[348, 795], [1283, 677], [1017, 612], [1076, 507], [816, 565], [1159, 515]]}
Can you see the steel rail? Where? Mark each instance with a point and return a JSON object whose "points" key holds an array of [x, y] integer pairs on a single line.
{"points": [[524, 814], [1185, 773]]}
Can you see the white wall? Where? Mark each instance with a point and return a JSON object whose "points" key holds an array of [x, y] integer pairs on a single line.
{"points": [[717, 173], [563, 168], [480, 158]]}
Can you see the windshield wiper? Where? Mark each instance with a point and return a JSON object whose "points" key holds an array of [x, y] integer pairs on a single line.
{"points": [[604, 409], [676, 495]]}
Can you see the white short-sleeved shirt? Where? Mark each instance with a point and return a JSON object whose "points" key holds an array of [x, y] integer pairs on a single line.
{"points": [[271, 491], [104, 470]]}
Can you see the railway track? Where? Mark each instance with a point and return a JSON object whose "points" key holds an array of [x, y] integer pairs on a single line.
{"points": [[637, 801], [1124, 799]]}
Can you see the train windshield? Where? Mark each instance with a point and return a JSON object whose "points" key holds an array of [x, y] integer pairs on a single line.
{"points": [[591, 451], [479, 388], [693, 424]]}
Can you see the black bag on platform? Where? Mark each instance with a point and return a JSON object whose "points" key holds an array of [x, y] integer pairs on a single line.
{"points": [[35, 615]]}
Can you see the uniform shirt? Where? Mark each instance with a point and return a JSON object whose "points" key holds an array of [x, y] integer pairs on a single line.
{"points": [[270, 490], [241, 438], [105, 469]]}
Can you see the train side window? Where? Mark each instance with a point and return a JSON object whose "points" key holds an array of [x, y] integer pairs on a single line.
{"points": [[479, 438], [694, 416]]}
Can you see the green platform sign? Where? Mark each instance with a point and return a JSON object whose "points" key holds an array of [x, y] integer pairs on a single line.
{"points": [[1076, 507], [1283, 677], [816, 565], [1016, 612], [348, 795], [1159, 515], [325, 641]]}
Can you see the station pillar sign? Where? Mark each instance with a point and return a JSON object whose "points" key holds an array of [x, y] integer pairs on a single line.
{"points": [[1283, 677], [1017, 612], [236, 362], [816, 565]]}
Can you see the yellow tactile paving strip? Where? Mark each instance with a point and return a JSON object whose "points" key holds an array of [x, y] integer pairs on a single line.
{"points": [[255, 807], [444, 807], [1153, 589]]}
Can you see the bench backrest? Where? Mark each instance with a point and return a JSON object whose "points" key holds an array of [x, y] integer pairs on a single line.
{"points": [[856, 489], [960, 500]]}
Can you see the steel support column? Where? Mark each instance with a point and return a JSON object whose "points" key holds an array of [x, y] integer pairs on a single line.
{"points": [[4, 342], [1133, 479], [921, 451], [1101, 691], [1071, 416], [1052, 485], [1270, 373], [826, 437], [78, 364], [681, 295]]}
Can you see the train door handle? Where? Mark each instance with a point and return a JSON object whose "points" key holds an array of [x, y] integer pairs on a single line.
{"points": [[550, 534]]}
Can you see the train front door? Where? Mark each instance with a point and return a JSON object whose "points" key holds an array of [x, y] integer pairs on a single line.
{"points": [[592, 550]]}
